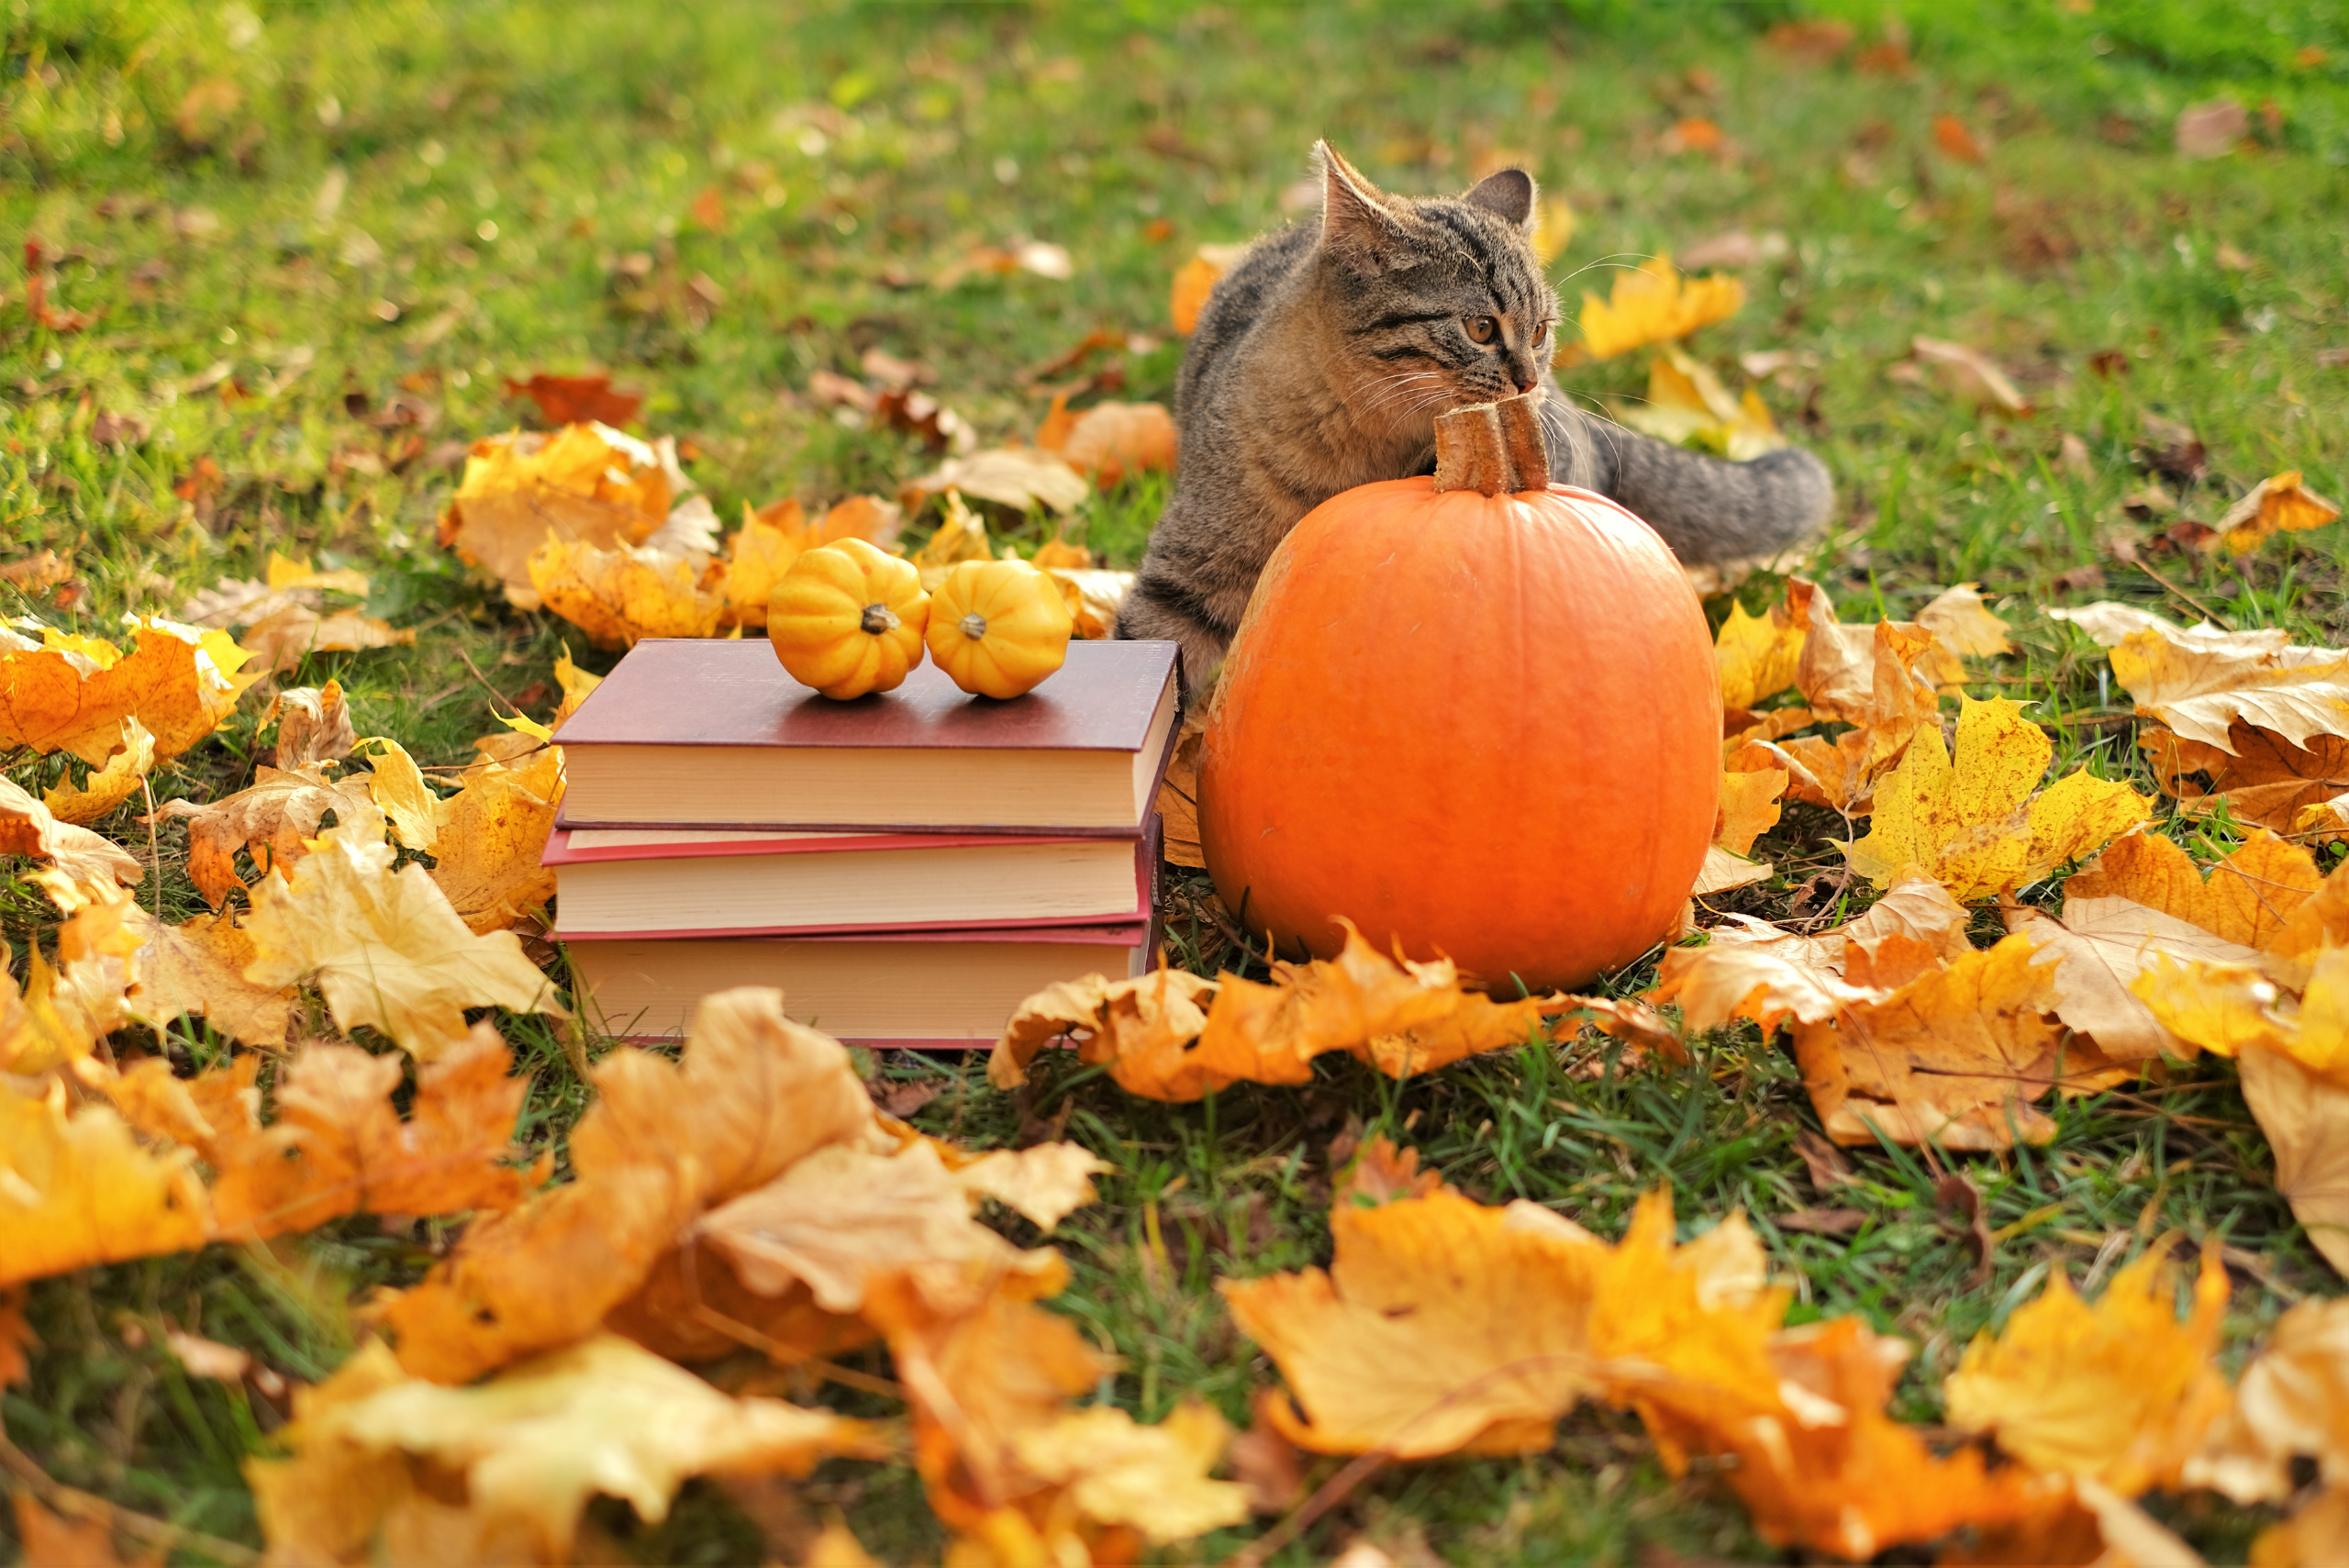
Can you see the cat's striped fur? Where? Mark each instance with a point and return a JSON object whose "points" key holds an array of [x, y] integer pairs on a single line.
{"points": [[1321, 360]]}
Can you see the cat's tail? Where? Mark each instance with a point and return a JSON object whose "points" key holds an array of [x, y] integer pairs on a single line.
{"points": [[1709, 511]]}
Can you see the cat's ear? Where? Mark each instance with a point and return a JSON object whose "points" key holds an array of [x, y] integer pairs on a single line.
{"points": [[1507, 195], [1356, 222]]}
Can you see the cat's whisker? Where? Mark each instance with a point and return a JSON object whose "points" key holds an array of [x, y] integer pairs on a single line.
{"points": [[1621, 261]]}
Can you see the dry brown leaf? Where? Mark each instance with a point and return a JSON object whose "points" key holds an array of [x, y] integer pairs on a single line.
{"points": [[77, 1190], [754, 1094], [2305, 1114], [2291, 1402], [82, 865], [384, 947], [577, 399], [492, 834], [1869, 676], [527, 1450], [2278, 504], [123, 776], [283, 639], [1111, 441], [584, 484], [621, 595], [1973, 822], [198, 967], [2120, 1394], [72, 693], [1021, 478], [274, 818], [2263, 779], [2201, 680], [1970, 375], [1953, 1056], [314, 726], [1749, 808], [1178, 793]]}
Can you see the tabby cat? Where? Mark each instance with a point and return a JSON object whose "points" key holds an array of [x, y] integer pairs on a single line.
{"points": [[1321, 360]]}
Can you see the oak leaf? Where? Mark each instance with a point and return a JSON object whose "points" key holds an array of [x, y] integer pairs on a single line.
{"points": [[2201, 680], [529, 1447], [754, 1094], [123, 776], [73, 694], [492, 834], [1111, 441], [621, 595], [1973, 822], [584, 484], [1654, 304], [384, 947], [2262, 779], [274, 818], [2120, 1394], [1953, 1056], [2281, 503], [78, 1189], [198, 967]]}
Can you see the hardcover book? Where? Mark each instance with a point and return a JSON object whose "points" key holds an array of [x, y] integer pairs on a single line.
{"points": [[715, 733], [720, 882]]}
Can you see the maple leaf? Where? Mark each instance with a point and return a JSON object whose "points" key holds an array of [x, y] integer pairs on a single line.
{"points": [[1749, 808], [2291, 1402], [1152, 1479], [529, 1448], [2121, 1393], [773, 536], [199, 967], [621, 595], [1973, 823], [383, 947], [1654, 304], [577, 399], [2227, 1008], [1758, 656], [77, 1190], [1111, 441], [1953, 1056], [123, 776], [576, 684], [754, 1095], [2201, 680], [286, 637], [1753, 970], [492, 833], [82, 866], [67, 1007], [842, 1217], [1021, 478], [1688, 405], [339, 1147], [1196, 279], [1093, 597], [73, 694], [396, 785], [313, 726], [584, 484], [2263, 779], [2281, 503], [275, 818], [2304, 1111], [1869, 675]]}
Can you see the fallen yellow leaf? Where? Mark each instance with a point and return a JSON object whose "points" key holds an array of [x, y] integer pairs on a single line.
{"points": [[73, 694], [2305, 1114], [2121, 1393], [1759, 656], [584, 484], [77, 1190], [1973, 823], [2281, 504], [2201, 680], [621, 595], [493, 832], [1749, 808], [2292, 1402], [199, 967], [123, 776], [275, 818], [1654, 304]]}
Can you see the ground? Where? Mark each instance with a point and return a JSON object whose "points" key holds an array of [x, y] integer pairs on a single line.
{"points": [[315, 240]]}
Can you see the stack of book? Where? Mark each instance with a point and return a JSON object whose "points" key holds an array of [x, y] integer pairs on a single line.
{"points": [[908, 867]]}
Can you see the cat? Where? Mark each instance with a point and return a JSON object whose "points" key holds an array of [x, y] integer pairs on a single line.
{"points": [[1320, 362]]}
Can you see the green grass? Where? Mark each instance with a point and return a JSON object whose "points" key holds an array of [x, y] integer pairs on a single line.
{"points": [[242, 194]]}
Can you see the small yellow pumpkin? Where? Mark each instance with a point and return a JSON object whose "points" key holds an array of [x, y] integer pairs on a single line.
{"points": [[848, 618], [999, 627]]}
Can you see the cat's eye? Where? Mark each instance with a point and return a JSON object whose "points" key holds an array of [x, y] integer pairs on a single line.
{"points": [[1483, 328], [1541, 333]]}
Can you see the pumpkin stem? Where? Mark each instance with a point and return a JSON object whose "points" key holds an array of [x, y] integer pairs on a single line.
{"points": [[879, 618], [974, 626], [1493, 447]]}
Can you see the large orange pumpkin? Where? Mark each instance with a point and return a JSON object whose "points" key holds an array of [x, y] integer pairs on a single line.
{"points": [[1483, 724]]}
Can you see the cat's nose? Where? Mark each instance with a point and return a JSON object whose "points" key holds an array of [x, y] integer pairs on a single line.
{"points": [[1525, 382]]}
